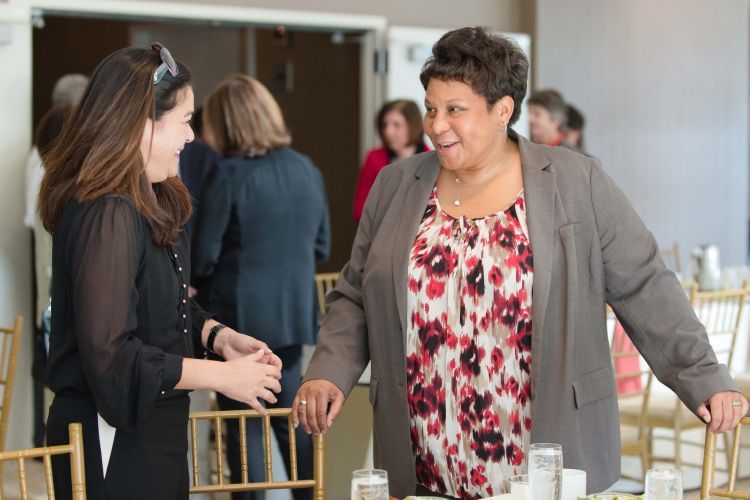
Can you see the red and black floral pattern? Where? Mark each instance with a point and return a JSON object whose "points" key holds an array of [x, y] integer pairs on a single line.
{"points": [[469, 350]]}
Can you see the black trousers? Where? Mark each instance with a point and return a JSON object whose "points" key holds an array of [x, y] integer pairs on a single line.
{"points": [[291, 376]]}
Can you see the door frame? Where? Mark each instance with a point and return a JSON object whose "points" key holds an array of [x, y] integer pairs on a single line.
{"points": [[374, 29]]}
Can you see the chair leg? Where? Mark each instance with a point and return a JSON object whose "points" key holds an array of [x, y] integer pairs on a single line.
{"points": [[709, 454], [650, 437]]}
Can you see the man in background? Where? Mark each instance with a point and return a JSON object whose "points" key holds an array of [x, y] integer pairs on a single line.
{"points": [[547, 117]]}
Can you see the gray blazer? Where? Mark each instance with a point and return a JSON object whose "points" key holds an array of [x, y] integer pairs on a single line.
{"points": [[589, 247]]}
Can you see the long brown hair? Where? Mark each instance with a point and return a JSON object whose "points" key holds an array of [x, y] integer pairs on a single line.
{"points": [[242, 117], [410, 111], [98, 152]]}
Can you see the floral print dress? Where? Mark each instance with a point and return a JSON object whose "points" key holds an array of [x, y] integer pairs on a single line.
{"points": [[468, 350]]}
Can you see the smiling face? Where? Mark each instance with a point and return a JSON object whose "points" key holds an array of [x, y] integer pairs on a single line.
{"points": [[466, 134], [161, 153]]}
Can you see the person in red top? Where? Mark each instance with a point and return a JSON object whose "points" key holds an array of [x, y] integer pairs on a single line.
{"points": [[400, 127]]}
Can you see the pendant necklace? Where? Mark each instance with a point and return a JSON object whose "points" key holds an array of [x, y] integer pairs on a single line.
{"points": [[457, 201]]}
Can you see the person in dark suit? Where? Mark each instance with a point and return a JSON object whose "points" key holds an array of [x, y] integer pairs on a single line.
{"points": [[262, 227], [197, 161]]}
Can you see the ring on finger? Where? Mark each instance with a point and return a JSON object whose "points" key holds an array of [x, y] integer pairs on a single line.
{"points": [[736, 402]]}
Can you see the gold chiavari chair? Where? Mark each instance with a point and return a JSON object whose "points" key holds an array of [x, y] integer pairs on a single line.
{"points": [[634, 435], [317, 483], [10, 342], [77, 469], [324, 283], [720, 313], [708, 489], [671, 257]]}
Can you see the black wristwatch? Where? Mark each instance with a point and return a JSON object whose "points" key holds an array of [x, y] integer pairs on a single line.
{"points": [[212, 336]]}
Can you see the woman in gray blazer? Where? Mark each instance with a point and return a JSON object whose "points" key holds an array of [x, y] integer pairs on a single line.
{"points": [[459, 252]]}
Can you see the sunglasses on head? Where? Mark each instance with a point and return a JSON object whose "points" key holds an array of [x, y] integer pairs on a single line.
{"points": [[168, 63]]}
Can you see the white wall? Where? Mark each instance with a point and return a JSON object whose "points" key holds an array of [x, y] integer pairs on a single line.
{"points": [[664, 86], [15, 239]]}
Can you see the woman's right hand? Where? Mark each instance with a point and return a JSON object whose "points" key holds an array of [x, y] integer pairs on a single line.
{"points": [[248, 379], [311, 405]]}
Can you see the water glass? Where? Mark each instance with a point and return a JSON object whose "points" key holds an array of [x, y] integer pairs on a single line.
{"points": [[369, 484], [519, 488], [545, 471], [663, 484]]}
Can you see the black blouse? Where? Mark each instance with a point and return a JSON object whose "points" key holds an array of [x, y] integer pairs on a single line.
{"points": [[121, 321]]}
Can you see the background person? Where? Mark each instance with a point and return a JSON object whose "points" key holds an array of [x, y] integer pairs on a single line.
{"points": [[399, 125], [262, 227]]}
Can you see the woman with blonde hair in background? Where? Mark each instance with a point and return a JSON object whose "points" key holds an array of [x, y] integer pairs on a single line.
{"points": [[262, 227]]}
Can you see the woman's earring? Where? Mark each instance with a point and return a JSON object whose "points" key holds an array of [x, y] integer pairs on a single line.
{"points": [[503, 128]]}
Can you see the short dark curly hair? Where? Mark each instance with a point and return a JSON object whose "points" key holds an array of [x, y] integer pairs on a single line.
{"points": [[493, 65]]}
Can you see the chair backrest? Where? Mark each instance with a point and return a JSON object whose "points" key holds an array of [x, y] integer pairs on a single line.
{"points": [[217, 417], [10, 342], [324, 283], [671, 257], [709, 466], [721, 314], [77, 469]]}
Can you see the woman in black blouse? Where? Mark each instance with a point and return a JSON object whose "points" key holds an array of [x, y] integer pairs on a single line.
{"points": [[124, 332]]}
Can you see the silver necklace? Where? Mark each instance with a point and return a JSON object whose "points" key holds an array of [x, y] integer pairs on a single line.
{"points": [[457, 201]]}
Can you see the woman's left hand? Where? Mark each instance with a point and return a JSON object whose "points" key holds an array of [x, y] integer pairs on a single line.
{"points": [[722, 411], [230, 345]]}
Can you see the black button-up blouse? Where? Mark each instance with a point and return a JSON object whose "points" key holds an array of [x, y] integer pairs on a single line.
{"points": [[121, 318]]}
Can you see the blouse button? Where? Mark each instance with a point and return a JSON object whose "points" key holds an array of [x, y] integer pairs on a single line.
{"points": [[175, 256], [184, 316], [179, 269], [184, 285], [184, 301], [162, 392], [185, 330]]}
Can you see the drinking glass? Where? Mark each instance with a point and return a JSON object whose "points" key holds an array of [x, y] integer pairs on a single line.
{"points": [[369, 484], [545, 471], [519, 487], [663, 484]]}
